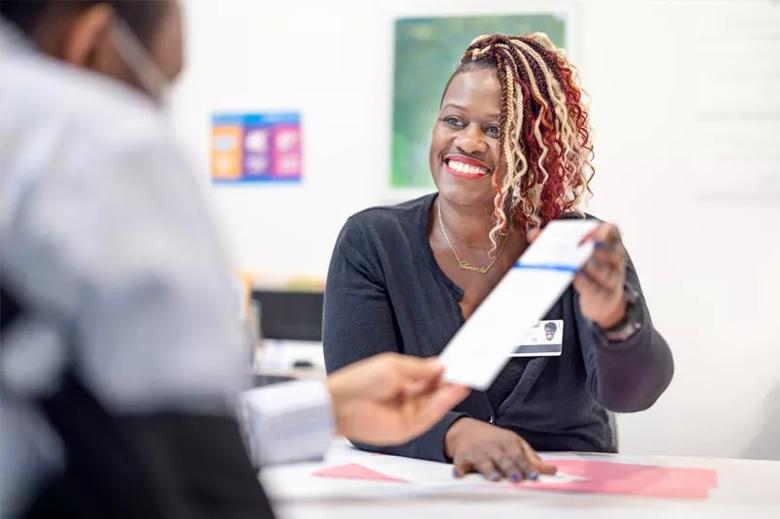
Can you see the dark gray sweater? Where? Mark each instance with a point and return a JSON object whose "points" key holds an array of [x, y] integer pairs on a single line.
{"points": [[385, 292]]}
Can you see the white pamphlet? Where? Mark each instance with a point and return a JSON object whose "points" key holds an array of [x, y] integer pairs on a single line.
{"points": [[483, 345]]}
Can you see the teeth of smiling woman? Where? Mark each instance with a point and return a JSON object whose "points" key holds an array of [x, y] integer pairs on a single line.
{"points": [[467, 168]]}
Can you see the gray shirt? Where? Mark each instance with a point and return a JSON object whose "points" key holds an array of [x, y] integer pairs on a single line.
{"points": [[107, 243]]}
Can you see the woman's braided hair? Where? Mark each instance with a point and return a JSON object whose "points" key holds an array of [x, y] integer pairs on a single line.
{"points": [[545, 137]]}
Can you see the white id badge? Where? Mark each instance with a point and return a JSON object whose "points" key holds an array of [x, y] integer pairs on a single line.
{"points": [[544, 339]]}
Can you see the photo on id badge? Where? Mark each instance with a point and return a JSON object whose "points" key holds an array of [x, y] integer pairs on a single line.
{"points": [[544, 339]]}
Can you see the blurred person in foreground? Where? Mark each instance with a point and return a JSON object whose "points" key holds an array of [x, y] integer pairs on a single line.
{"points": [[122, 354]]}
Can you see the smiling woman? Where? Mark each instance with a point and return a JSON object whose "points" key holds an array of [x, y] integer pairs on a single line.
{"points": [[513, 107], [510, 151]]}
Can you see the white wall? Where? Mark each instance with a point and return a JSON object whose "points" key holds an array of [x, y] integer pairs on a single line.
{"points": [[699, 203], [687, 126]]}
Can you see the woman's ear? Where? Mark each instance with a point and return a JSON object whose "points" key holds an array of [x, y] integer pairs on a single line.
{"points": [[88, 37]]}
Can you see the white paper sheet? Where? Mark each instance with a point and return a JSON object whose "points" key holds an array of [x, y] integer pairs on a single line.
{"points": [[482, 346]]}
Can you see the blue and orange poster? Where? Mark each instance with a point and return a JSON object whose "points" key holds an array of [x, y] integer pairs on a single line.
{"points": [[256, 147]]}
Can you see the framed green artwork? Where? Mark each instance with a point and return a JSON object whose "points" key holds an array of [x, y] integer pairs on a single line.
{"points": [[427, 51]]}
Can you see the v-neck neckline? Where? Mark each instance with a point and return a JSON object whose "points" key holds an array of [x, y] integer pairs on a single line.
{"points": [[425, 222]]}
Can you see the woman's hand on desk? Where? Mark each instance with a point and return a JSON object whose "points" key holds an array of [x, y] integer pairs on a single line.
{"points": [[390, 398], [496, 453]]}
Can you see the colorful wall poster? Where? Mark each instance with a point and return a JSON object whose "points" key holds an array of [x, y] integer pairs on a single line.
{"points": [[427, 51], [256, 147]]}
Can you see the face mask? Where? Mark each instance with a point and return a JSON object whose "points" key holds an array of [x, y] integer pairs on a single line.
{"points": [[140, 63]]}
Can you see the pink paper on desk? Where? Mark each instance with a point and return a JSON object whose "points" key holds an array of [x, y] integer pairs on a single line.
{"points": [[354, 471], [605, 477], [599, 477]]}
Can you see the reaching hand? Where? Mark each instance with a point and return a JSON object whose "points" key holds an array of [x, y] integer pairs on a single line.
{"points": [[390, 398]]}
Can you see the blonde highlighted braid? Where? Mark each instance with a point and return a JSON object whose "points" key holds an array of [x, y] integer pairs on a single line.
{"points": [[545, 139]]}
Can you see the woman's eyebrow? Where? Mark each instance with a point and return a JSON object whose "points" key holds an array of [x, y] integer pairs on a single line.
{"points": [[463, 108], [453, 105]]}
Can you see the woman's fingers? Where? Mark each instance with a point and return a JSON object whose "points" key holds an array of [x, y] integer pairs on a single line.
{"points": [[585, 284], [613, 255], [479, 461], [462, 466], [486, 466], [516, 464], [599, 274], [538, 463], [606, 265], [604, 233], [513, 467], [606, 276], [605, 269]]}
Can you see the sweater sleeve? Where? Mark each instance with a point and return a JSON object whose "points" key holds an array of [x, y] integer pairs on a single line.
{"points": [[628, 376], [359, 322]]}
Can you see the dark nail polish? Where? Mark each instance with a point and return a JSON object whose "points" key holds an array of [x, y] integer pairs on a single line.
{"points": [[533, 476], [515, 477], [456, 472]]}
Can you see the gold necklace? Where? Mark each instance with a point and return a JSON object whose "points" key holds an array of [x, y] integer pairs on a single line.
{"points": [[463, 264]]}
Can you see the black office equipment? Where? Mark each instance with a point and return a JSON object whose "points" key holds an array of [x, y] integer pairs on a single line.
{"points": [[290, 315]]}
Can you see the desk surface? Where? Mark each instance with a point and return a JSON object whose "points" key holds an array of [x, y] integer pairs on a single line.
{"points": [[747, 489]]}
